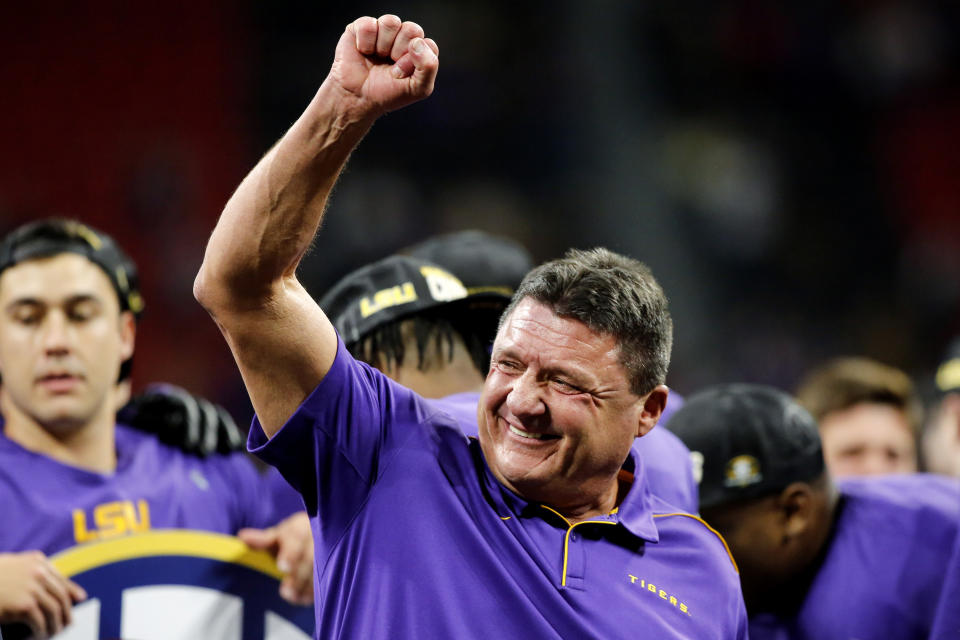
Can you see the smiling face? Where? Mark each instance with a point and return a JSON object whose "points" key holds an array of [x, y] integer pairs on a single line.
{"points": [[557, 417], [62, 339]]}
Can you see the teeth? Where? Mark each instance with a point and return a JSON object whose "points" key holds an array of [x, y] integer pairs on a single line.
{"points": [[525, 434]]}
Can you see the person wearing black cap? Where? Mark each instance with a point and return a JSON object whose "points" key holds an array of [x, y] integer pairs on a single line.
{"points": [[862, 558], [69, 473], [940, 439], [409, 318], [489, 266]]}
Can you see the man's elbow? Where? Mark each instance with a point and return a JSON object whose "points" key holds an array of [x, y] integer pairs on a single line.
{"points": [[202, 289], [213, 293]]}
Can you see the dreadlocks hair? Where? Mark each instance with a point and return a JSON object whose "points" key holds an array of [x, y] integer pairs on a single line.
{"points": [[434, 332]]}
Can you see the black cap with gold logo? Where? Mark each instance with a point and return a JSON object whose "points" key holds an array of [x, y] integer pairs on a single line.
{"points": [[747, 441]]}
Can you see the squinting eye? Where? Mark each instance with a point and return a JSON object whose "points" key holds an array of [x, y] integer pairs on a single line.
{"points": [[566, 386]]}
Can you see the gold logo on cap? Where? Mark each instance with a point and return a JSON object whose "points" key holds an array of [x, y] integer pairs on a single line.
{"points": [[948, 375], [742, 471], [443, 285], [389, 297]]}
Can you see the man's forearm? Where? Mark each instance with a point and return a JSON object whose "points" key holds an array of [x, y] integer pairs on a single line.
{"points": [[272, 217], [282, 342]]}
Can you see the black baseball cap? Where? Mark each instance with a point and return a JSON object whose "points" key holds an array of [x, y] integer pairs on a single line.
{"points": [[52, 236], [748, 441], [385, 291], [948, 373], [487, 264]]}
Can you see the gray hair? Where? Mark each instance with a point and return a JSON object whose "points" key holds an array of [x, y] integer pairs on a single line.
{"points": [[614, 295]]}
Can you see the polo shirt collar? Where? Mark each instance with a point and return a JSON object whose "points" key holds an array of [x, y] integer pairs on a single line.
{"points": [[635, 512]]}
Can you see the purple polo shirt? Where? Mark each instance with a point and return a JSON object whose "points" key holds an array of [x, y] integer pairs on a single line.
{"points": [[947, 623], [883, 575], [50, 506], [666, 460], [417, 539]]}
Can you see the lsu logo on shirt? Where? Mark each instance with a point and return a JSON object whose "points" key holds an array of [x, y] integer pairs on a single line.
{"points": [[111, 520]]}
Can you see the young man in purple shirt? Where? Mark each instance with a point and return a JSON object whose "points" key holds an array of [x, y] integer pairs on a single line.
{"points": [[69, 474], [536, 529], [441, 348], [863, 558]]}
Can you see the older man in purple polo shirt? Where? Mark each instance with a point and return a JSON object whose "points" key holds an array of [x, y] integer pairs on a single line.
{"points": [[441, 348], [538, 529]]}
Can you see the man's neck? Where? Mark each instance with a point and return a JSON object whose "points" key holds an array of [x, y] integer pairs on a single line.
{"points": [[89, 446]]}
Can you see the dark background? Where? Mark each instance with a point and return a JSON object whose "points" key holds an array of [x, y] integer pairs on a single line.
{"points": [[790, 173]]}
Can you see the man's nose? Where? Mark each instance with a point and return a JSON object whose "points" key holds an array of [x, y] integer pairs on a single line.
{"points": [[56, 338], [526, 397], [875, 463]]}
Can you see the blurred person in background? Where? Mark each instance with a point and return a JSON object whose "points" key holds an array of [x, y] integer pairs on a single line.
{"points": [[69, 472], [941, 433], [869, 415], [862, 557]]}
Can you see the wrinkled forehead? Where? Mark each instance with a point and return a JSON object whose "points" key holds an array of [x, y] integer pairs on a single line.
{"points": [[532, 316], [535, 332], [55, 278]]}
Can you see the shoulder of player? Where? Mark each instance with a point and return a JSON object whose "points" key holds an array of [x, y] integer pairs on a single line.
{"points": [[925, 495], [404, 403], [914, 509], [690, 530], [147, 446]]}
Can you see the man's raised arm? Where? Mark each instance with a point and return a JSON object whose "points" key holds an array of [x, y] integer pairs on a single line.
{"points": [[282, 342]]}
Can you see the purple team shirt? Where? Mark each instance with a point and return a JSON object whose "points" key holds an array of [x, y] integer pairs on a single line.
{"points": [[416, 539], [666, 460], [883, 575], [947, 623], [50, 506]]}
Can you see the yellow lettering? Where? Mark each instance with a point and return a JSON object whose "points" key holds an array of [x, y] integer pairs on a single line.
{"points": [[137, 525], [651, 588], [673, 600], [112, 519], [384, 298], [662, 594], [80, 531], [633, 579], [683, 608]]}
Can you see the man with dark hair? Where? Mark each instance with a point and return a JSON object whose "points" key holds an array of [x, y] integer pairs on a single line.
{"points": [[869, 415], [537, 529], [863, 558], [69, 474]]}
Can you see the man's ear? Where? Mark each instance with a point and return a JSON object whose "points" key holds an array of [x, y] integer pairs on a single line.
{"points": [[652, 406], [128, 334], [797, 510]]}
